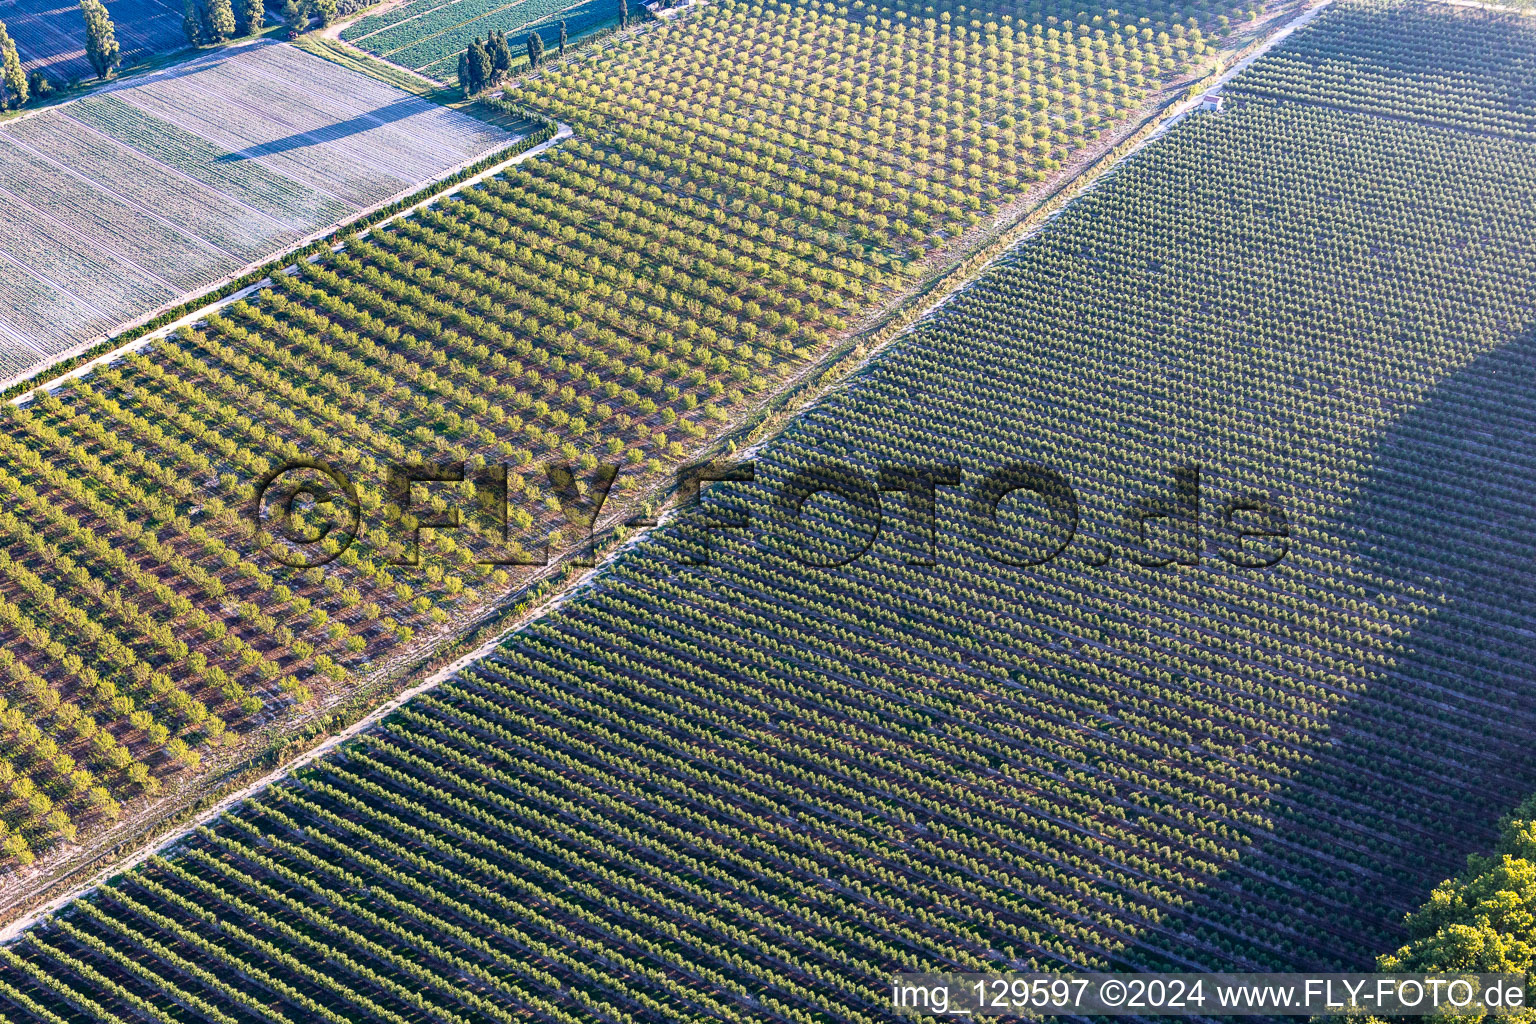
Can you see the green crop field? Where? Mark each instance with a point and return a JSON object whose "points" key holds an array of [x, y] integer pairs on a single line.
{"points": [[429, 35], [721, 783]]}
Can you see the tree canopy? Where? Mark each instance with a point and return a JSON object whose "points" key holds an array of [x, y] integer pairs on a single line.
{"points": [[13, 80], [101, 47], [1483, 920]]}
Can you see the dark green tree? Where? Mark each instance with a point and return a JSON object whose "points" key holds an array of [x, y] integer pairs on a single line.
{"points": [[13, 81], [535, 49], [623, 13], [562, 38], [221, 21], [191, 22], [1481, 920], [296, 13], [101, 47], [327, 10], [464, 82], [501, 56], [479, 66], [253, 15]]}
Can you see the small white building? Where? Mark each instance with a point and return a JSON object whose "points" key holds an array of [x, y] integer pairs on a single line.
{"points": [[664, 9], [1211, 102]]}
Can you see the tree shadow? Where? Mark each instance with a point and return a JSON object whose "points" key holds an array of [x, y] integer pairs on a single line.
{"points": [[195, 66], [1421, 768], [399, 110]]}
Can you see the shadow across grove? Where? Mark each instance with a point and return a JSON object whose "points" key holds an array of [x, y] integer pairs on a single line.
{"points": [[1421, 769]]}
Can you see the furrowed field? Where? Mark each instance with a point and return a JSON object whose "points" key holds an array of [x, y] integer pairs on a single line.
{"points": [[748, 790], [126, 200], [618, 299]]}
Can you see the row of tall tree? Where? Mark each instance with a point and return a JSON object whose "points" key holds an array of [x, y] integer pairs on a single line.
{"points": [[484, 64], [218, 21]]}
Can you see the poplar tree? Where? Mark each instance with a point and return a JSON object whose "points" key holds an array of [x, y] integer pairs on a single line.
{"points": [[253, 15], [535, 49], [221, 21], [623, 14], [501, 55], [479, 66], [191, 22], [101, 47], [562, 38], [13, 81]]}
